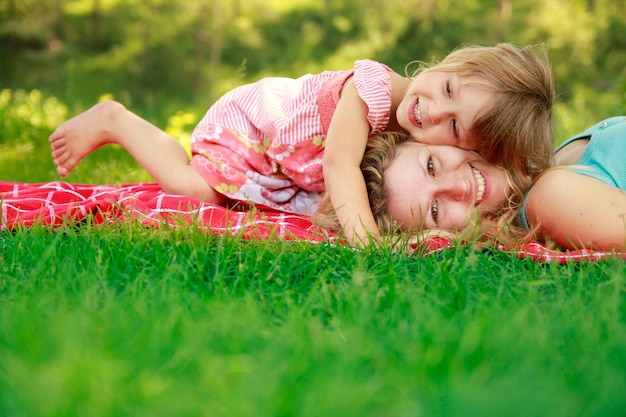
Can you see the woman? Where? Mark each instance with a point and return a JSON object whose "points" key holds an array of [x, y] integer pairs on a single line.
{"points": [[579, 203]]}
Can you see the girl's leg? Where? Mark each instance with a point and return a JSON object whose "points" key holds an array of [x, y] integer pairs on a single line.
{"points": [[157, 152]]}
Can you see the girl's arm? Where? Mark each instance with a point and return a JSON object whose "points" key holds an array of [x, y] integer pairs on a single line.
{"points": [[576, 211], [345, 145]]}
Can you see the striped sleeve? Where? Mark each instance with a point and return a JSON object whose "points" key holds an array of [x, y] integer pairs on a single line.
{"points": [[373, 84]]}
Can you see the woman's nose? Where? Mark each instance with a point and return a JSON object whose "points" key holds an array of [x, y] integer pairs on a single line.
{"points": [[456, 187]]}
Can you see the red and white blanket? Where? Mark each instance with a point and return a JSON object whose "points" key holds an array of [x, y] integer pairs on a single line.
{"points": [[58, 203]]}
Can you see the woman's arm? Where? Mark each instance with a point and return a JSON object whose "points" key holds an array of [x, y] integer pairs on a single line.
{"points": [[345, 145], [576, 211]]}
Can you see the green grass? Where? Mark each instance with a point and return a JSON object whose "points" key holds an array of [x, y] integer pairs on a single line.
{"points": [[131, 321]]}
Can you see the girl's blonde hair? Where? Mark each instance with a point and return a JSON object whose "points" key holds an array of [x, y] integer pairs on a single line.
{"points": [[516, 130], [380, 152]]}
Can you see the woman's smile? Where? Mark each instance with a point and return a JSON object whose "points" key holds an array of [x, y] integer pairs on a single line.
{"points": [[483, 185]]}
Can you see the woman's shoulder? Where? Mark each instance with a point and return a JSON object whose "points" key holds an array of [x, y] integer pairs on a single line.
{"points": [[544, 194], [551, 178], [561, 189], [576, 210]]}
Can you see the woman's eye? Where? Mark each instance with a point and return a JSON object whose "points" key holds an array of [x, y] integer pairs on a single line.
{"points": [[448, 88], [455, 128], [434, 211], [430, 166]]}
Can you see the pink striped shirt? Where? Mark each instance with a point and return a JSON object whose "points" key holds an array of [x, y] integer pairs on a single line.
{"points": [[270, 134]]}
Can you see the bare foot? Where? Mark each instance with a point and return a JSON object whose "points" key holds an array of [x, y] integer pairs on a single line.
{"points": [[82, 134]]}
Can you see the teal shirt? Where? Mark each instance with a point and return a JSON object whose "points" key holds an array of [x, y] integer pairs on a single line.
{"points": [[603, 159]]}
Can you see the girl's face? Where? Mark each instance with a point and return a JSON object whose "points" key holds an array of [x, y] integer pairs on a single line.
{"points": [[440, 108], [431, 186]]}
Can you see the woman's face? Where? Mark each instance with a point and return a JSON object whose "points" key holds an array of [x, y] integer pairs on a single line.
{"points": [[431, 186]]}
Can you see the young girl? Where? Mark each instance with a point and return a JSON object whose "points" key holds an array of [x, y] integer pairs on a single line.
{"points": [[581, 202], [309, 134]]}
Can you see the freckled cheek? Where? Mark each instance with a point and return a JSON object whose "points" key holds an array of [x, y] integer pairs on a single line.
{"points": [[405, 212], [472, 144], [414, 216], [460, 217]]}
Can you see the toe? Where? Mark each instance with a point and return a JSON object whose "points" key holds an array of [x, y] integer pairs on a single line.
{"points": [[56, 144], [60, 157], [62, 171]]}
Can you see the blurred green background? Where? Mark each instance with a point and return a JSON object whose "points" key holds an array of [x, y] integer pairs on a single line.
{"points": [[168, 60]]}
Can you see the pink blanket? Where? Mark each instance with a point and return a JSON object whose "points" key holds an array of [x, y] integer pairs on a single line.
{"points": [[58, 203]]}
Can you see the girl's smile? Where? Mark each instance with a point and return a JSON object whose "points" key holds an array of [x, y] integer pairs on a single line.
{"points": [[415, 115]]}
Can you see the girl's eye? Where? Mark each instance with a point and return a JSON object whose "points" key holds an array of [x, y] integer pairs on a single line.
{"points": [[455, 127], [434, 211], [430, 166]]}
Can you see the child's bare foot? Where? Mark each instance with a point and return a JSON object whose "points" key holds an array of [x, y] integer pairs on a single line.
{"points": [[82, 134]]}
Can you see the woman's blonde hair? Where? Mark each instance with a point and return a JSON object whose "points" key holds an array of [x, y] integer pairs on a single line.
{"points": [[381, 149], [516, 131]]}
